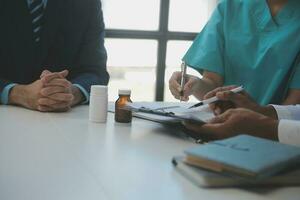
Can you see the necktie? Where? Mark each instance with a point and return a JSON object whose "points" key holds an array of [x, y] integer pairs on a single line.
{"points": [[36, 9]]}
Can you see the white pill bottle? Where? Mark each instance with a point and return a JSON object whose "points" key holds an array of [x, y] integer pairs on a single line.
{"points": [[98, 104]]}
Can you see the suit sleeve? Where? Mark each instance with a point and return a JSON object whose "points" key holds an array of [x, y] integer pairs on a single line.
{"points": [[92, 58], [3, 82]]}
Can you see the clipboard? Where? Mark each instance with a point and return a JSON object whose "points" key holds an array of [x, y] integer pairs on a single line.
{"points": [[170, 114]]}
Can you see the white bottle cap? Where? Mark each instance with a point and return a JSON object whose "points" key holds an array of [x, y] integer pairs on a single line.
{"points": [[99, 90], [124, 92]]}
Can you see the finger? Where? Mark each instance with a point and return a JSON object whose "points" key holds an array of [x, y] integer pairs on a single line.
{"points": [[54, 89], [51, 109], [62, 97], [59, 82], [43, 108], [227, 105], [222, 117], [231, 96], [174, 84], [225, 95], [61, 106], [55, 75], [188, 87], [212, 107], [193, 126], [175, 92], [217, 120], [176, 97], [47, 102], [217, 107], [214, 131], [64, 73], [184, 98], [176, 76], [44, 73], [219, 89], [209, 131], [222, 106], [218, 111], [49, 77]]}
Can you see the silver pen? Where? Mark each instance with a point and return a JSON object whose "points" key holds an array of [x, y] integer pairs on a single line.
{"points": [[182, 82], [214, 99]]}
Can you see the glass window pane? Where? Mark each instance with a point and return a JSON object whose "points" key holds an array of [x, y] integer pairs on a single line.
{"points": [[175, 51], [131, 52], [190, 15], [132, 65], [131, 14]]}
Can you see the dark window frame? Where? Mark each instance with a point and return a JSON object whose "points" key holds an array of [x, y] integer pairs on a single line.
{"points": [[162, 35]]}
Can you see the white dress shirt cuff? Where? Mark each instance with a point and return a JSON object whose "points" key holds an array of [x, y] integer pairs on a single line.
{"points": [[5, 93], [289, 132], [283, 112]]}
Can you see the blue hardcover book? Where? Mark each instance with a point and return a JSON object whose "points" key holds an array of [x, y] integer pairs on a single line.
{"points": [[245, 156]]}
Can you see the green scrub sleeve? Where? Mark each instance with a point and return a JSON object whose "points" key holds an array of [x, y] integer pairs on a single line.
{"points": [[295, 82], [207, 50]]}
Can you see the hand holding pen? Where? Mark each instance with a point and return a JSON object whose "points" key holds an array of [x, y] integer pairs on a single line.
{"points": [[214, 99], [230, 97], [182, 85]]}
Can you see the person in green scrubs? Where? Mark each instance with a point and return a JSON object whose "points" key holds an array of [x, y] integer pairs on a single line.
{"points": [[252, 43]]}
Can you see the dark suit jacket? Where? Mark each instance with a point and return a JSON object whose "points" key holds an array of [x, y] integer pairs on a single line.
{"points": [[72, 38]]}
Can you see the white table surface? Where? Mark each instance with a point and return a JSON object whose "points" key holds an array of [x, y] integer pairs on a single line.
{"points": [[62, 156]]}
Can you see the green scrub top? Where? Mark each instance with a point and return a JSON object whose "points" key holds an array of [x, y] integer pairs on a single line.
{"points": [[244, 44]]}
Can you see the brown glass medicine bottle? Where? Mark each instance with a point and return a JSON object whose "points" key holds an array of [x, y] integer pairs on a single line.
{"points": [[123, 115]]}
